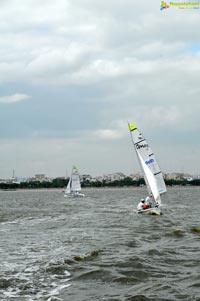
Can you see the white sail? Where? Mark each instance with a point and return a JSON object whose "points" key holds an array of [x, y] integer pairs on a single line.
{"points": [[75, 180], [150, 181], [74, 185], [151, 170], [68, 189]]}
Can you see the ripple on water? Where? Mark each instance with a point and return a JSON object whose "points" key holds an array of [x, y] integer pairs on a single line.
{"points": [[36, 282], [120, 256]]}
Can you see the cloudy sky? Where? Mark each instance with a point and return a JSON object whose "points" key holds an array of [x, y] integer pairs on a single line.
{"points": [[73, 72]]}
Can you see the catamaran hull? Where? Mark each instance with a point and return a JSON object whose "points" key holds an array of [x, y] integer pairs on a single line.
{"points": [[150, 211], [76, 195]]}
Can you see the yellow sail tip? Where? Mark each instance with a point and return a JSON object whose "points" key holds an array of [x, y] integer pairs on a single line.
{"points": [[131, 126]]}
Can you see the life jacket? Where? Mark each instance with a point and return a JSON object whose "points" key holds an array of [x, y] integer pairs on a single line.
{"points": [[144, 206]]}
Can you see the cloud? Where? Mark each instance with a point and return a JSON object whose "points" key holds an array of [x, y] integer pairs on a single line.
{"points": [[13, 98], [91, 66], [107, 134], [89, 42]]}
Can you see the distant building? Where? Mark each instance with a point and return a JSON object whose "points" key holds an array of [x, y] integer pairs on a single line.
{"points": [[136, 176], [97, 179], [39, 178], [114, 177], [174, 176], [86, 178]]}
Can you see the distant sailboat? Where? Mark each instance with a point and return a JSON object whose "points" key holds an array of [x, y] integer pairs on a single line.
{"points": [[73, 188], [152, 173]]}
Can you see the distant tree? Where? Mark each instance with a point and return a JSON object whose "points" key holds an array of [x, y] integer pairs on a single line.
{"points": [[59, 183], [195, 182]]}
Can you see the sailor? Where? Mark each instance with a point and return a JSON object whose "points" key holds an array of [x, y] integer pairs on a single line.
{"points": [[148, 200], [141, 205]]}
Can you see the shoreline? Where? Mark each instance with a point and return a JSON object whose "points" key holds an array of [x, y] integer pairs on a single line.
{"points": [[94, 188]]}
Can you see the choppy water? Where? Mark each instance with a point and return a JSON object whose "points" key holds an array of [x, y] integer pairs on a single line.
{"points": [[96, 248]]}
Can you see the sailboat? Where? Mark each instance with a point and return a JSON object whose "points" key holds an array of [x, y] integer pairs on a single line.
{"points": [[73, 188], [151, 171]]}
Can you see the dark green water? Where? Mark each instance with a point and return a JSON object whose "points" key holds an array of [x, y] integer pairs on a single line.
{"points": [[96, 248]]}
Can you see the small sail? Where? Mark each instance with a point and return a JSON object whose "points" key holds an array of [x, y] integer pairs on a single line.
{"points": [[68, 189], [151, 170], [75, 180]]}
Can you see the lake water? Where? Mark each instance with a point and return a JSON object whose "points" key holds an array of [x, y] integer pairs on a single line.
{"points": [[97, 248]]}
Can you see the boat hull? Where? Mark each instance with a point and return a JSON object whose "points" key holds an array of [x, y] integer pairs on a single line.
{"points": [[150, 211], [74, 195]]}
